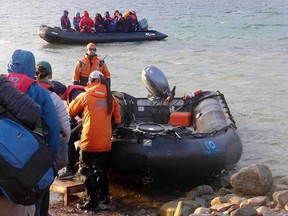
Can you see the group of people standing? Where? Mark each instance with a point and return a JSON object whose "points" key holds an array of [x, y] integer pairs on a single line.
{"points": [[127, 22], [97, 107]]}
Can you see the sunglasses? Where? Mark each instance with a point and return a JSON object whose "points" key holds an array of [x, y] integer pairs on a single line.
{"points": [[91, 49]]}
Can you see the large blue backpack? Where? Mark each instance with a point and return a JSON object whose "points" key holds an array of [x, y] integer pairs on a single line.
{"points": [[25, 163]]}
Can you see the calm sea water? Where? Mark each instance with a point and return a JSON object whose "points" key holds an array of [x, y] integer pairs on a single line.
{"points": [[237, 47]]}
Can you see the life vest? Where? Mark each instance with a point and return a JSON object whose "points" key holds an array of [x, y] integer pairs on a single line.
{"points": [[76, 19], [126, 14], [73, 91], [21, 81], [46, 86], [133, 20], [110, 25], [99, 27]]}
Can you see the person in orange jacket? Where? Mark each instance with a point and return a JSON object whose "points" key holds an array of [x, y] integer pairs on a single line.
{"points": [[89, 63], [98, 108], [86, 23]]}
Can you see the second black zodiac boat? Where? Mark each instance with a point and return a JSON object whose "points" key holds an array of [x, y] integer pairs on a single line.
{"points": [[166, 137], [57, 35]]}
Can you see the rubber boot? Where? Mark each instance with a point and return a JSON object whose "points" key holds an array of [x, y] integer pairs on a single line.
{"points": [[92, 204]]}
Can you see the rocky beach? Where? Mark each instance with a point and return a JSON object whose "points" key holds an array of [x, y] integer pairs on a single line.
{"points": [[251, 191]]}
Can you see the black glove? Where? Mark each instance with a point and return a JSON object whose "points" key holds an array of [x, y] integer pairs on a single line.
{"points": [[75, 82]]}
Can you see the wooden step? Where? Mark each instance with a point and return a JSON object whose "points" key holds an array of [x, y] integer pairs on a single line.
{"points": [[67, 187]]}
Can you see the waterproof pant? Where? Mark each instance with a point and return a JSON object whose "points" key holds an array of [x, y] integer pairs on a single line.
{"points": [[73, 153], [94, 170], [42, 204]]}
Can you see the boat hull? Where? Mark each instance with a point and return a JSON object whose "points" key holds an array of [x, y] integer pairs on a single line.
{"points": [[174, 157], [56, 35]]}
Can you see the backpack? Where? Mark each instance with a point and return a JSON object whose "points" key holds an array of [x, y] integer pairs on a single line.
{"points": [[25, 163]]}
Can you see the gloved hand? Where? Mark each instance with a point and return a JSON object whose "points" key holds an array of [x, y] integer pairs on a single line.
{"points": [[75, 82]]}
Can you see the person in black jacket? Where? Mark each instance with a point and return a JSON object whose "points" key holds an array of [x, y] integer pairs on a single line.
{"points": [[18, 107]]}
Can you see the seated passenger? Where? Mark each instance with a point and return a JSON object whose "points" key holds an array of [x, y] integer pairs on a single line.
{"points": [[132, 22], [76, 21], [99, 25], [65, 22], [86, 23], [116, 16], [120, 24], [109, 23]]}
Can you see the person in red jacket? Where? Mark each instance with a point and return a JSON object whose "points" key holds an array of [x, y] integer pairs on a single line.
{"points": [[86, 23], [98, 108]]}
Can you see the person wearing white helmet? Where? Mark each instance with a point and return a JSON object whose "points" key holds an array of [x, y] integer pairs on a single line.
{"points": [[98, 108]]}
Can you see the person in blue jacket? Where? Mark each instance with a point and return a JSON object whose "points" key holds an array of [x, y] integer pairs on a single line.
{"points": [[21, 73], [76, 21]]}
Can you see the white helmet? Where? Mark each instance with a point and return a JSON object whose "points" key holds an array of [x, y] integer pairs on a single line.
{"points": [[96, 75]]}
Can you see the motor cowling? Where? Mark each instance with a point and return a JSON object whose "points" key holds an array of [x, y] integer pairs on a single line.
{"points": [[155, 82]]}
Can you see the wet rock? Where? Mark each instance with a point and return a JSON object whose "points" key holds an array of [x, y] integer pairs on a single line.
{"points": [[252, 180], [281, 180], [202, 210], [255, 201], [281, 197], [201, 215], [208, 199], [278, 187], [200, 201], [220, 207], [199, 191], [183, 210], [265, 211], [237, 200], [223, 192], [169, 208], [219, 200], [231, 209], [245, 211]]}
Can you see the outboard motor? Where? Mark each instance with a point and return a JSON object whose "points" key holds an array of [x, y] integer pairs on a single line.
{"points": [[155, 82]]}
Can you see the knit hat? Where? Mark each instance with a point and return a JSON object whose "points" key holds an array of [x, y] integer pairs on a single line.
{"points": [[59, 87], [46, 66]]}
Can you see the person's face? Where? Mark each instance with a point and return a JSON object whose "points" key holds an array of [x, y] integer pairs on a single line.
{"points": [[63, 96], [91, 50]]}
